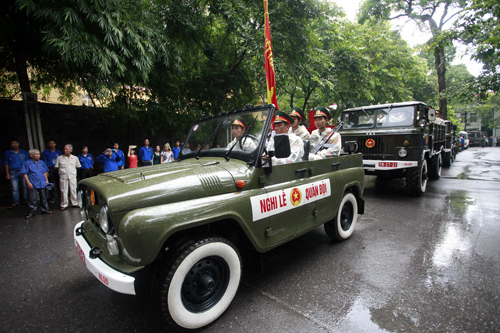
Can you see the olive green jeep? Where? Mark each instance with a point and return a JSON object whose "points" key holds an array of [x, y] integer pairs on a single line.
{"points": [[189, 221]]}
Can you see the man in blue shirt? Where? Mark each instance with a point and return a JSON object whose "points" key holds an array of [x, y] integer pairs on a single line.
{"points": [[87, 163], [49, 156], [36, 175], [121, 164], [176, 149], [146, 154], [109, 160], [13, 161]]}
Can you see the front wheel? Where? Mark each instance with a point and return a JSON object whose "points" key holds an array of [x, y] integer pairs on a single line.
{"points": [[197, 283], [416, 179], [342, 227]]}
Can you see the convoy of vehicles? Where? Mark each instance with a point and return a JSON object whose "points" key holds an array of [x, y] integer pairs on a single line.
{"points": [[399, 140], [191, 220]]}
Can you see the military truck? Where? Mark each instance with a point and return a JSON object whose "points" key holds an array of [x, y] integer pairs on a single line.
{"points": [[399, 140], [190, 222]]}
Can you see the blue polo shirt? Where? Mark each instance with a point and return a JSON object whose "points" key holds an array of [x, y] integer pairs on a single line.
{"points": [[86, 161], [122, 156], [35, 172], [14, 160], [176, 151], [146, 154], [50, 157], [110, 164]]}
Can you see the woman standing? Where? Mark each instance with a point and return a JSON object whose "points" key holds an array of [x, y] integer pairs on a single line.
{"points": [[132, 157], [157, 158], [167, 154]]}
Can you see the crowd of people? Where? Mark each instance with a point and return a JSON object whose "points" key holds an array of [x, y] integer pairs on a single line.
{"points": [[53, 174]]}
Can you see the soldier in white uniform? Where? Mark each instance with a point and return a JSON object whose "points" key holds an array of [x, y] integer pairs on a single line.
{"points": [[238, 127], [296, 128], [333, 146], [282, 123]]}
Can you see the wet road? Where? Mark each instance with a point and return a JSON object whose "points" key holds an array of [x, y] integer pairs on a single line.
{"points": [[413, 265]]}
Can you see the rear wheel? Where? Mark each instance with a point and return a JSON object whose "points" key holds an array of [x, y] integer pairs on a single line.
{"points": [[436, 166], [342, 227], [447, 159], [196, 284], [416, 179]]}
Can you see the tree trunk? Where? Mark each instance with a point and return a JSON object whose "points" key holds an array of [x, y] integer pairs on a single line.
{"points": [[439, 62], [20, 54]]}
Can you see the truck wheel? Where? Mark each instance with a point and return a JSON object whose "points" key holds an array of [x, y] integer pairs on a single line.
{"points": [[436, 165], [416, 179], [447, 159], [197, 283], [344, 223]]}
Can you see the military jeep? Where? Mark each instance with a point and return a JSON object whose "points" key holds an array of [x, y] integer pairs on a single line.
{"points": [[190, 221], [399, 140]]}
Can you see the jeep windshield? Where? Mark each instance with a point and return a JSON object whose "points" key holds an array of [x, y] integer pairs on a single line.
{"points": [[235, 135], [379, 118]]}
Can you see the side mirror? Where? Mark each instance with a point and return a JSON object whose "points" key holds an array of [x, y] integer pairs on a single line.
{"points": [[431, 115], [281, 146], [350, 147]]}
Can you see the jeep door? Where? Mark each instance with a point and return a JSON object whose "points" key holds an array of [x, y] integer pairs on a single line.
{"points": [[288, 209]]}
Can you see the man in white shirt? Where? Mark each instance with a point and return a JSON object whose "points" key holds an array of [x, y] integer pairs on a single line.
{"points": [[282, 123], [238, 128], [67, 165], [296, 127], [333, 146]]}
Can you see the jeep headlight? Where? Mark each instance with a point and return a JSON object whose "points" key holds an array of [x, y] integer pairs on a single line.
{"points": [[103, 219], [402, 153]]}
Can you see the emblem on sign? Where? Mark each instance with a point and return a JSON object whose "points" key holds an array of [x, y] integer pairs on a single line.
{"points": [[370, 143], [295, 196]]}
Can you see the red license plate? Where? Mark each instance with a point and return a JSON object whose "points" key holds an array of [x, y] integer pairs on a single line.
{"points": [[388, 164], [81, 254]]}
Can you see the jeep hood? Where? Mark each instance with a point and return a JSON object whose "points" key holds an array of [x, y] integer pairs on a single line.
{"points": [[149, 186]]}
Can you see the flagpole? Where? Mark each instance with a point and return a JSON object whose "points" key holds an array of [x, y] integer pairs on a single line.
{"points": [[269, 63]]}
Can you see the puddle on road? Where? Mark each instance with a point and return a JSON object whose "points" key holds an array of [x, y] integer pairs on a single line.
{"points": [[456, 237]]}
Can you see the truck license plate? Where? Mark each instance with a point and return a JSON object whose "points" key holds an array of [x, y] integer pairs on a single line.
{"points": [[81, 254], [388, 164]]}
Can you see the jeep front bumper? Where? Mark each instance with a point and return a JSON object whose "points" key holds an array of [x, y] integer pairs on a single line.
{"points": [[110, 277]]}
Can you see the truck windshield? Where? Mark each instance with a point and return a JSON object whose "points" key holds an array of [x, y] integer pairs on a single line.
{"points": [[239, 134], [380, 118]]}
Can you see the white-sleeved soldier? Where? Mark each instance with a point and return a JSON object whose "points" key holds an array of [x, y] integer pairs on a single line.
{"points": [[238, 127], [296, 127], [282, 123], [334, 144]]}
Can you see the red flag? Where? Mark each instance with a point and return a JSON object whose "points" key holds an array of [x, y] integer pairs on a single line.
{"points": [[269, 63]]}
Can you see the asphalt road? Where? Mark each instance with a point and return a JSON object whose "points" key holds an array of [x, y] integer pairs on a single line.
{"points": [[423, 264]]}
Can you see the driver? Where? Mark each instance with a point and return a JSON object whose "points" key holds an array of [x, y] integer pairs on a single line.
{"points": [[282, 123], [238, 128], [398, 115]]}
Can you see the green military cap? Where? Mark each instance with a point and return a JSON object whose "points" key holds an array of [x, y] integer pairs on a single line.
{"points": [[297, 112], [282, 117], [322, 112], [239, 121]]}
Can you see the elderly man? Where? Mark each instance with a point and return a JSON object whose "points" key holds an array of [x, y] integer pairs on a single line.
{"points": [[109, 160], [67, 165], [333, 146], [282, 123], [296, 127], [36, 175]]}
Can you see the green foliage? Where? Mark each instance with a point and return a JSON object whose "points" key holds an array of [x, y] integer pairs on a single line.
{"points": [[479, 27]]}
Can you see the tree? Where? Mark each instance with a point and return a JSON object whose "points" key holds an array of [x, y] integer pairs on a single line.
{"points": [[424, 13], [93, 43], [478, 27]]}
